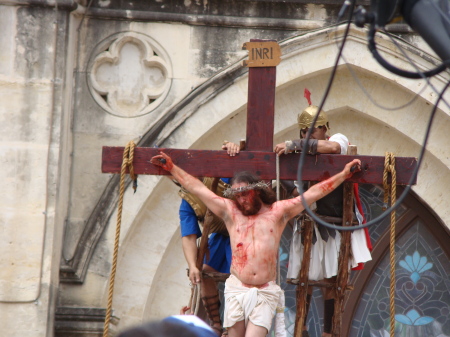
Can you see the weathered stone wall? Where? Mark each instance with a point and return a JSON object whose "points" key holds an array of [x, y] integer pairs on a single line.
{"points": [[32, 78]]}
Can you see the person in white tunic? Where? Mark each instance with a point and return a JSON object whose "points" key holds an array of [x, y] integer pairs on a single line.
{"points": [[326, 242], [255, 222]]}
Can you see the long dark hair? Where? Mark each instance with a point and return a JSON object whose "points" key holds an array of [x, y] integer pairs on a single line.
{"points": [[267, 195]]}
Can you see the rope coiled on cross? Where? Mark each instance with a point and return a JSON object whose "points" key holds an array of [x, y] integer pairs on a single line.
{"points": [[127, 162]]}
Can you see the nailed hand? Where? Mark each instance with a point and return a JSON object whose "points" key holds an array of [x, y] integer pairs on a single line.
{"points": [[162, 160], [352, 167]]}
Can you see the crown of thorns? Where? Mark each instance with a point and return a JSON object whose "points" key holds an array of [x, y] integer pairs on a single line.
{"points": [[260, 185]]}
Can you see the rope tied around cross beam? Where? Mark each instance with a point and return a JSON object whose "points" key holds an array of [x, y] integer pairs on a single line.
{"points": [[391, 190], [127, 162]]}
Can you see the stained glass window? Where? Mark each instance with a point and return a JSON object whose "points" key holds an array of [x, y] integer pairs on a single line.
{"points": [[422, 290], [422, 283]]}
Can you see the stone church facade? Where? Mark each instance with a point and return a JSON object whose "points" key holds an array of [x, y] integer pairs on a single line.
{"points": [[79, 75]]}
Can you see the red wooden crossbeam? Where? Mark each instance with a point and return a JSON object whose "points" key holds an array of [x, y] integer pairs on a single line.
{"points": [[208, 163]]}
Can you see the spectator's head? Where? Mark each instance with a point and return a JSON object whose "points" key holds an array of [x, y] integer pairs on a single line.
{"points": [[170, 327]]}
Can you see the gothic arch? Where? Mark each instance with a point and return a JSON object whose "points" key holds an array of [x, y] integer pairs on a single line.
{"points": [[422, 266], [150, 250]]}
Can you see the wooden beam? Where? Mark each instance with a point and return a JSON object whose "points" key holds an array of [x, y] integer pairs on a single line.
{"points": [[209, 163], [261, 109], [303, 277], [344, 254]]}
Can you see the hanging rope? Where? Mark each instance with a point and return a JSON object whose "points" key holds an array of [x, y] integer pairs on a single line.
{"points": [[194, 302], [127, 162], [389, 167]]}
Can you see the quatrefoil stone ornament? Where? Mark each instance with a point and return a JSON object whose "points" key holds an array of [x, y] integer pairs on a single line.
{"points": [[130, 77]]}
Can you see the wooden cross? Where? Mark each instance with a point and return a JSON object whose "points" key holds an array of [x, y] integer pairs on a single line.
{"points": [[258, 156]]}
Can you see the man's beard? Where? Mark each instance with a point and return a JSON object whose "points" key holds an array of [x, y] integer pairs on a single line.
{"points": [[254, 207]]}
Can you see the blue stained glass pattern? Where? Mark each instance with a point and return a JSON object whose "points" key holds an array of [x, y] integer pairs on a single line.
{"points": [[412, 317], [415, 264], [422, 283], [422, 294]]}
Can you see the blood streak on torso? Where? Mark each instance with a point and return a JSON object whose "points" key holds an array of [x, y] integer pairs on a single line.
{"points": [[240, 257], [241, 251], [246, 228]]}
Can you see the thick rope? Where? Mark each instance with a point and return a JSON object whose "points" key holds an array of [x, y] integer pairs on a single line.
{"points": [[193, 295], [194, 301], [197, 302], [389, 167], [128, 155]]}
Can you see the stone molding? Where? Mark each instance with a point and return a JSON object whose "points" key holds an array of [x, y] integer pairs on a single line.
{"points": [[69, 5], [129, 74], [79, 321], [201, 14], [208, 20]]}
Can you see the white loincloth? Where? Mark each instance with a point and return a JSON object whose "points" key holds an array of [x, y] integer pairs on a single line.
{"points": [[255, 304], [280, 324], [325, 254]]}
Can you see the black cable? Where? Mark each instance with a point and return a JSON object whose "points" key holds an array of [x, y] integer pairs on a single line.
{"points": [[355, 77], [399, 200], [393, 69], [344, 7]]}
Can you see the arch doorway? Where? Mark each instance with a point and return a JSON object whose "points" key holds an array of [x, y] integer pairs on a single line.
{"points": [[422, 293]]}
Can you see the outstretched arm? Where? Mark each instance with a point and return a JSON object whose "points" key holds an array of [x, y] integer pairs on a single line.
{"points": [[215, 203], [294, 206]]}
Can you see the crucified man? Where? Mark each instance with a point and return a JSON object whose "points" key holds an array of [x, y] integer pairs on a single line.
{"points": [[255, 222]]}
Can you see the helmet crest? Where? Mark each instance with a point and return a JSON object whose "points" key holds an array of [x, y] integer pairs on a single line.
{"points": [[306, 117], [307, 95]]}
